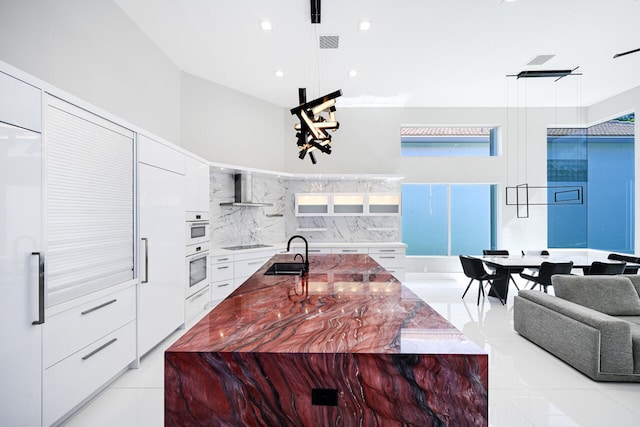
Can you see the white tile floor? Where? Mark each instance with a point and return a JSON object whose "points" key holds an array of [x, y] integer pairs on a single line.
{"points": [[527, 385]]}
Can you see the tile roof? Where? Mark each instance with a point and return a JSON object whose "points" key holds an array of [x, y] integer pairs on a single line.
{"points": [[610, 128], [444, 131]]}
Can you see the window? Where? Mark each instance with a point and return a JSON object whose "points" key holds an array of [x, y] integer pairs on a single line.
{"points": [[448, 141], [448, 219], [599, 158]]}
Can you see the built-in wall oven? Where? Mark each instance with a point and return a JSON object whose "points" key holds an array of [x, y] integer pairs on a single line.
{"points": [[197, 228], [197, 268]]}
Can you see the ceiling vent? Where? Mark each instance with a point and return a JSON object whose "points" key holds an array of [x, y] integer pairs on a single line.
{"points": [[329, 42], [540, 60]]}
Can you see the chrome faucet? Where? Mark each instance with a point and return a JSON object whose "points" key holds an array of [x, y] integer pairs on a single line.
{"points": [[305, 260]]}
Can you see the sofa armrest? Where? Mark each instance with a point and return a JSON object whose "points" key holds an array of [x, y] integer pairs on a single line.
{"points": [[616, 351]]}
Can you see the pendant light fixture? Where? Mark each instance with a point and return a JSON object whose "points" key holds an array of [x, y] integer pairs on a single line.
{"points": [[316, 117]]}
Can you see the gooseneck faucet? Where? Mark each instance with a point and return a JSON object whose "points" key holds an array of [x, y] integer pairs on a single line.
{"points": [[306, 251]]}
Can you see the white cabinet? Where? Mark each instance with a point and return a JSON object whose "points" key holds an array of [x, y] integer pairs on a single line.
{"points": [[392, 258], [347, 204], [162, 246], [20, 278], [312, 204], [86, 344], [20, 103], [197, 185], [222, 276], [247, 263]]}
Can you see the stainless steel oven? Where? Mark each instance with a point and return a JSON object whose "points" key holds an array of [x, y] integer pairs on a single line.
{"points": [[197, 268], [197, 228]]}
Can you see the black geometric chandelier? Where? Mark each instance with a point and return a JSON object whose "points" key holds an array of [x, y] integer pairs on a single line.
{"points": [[317, 118]]}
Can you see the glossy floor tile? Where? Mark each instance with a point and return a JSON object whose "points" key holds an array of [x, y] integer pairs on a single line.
{"points": [[527, 385]]}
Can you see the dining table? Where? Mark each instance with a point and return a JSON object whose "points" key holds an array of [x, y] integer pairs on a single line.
{"points": [[505, 265]]}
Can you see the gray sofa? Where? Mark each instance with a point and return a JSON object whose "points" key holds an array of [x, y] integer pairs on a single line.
{"points": [[592, 323]]}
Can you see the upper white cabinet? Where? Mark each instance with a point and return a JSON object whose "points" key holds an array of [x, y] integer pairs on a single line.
{"points": [[197, 185], [347, 204], [20, 103], [314, 204]]}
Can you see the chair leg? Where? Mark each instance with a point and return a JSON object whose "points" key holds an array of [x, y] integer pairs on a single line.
{"points": [[480, 289], [514, 282], [468, 286]]}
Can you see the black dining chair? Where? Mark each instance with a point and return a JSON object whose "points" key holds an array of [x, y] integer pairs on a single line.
{"points": [[626, 258], [548, 269], [473, 268], [604, 268], [504, 252]]}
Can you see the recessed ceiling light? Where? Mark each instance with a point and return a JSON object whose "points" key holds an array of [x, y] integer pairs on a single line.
{"points": [[364, 25], [279, 73], [266, 25], [353, 73]]}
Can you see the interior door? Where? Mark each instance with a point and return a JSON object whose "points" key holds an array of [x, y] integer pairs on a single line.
{"points": [[21, 276], [162, 254]]}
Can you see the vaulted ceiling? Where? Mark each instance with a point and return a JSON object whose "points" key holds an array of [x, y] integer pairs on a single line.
{"points": [[418, 53]]}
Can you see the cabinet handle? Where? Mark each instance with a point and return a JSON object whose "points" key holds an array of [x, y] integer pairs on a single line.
{"points": [[222, 286], [314, 250], [98, 307], [223, 259], [387, 250], [387, 257], [223, 268], [146, 260], [255, 262], [99, 349], [349, 250], [40, 320], [198, 295]]}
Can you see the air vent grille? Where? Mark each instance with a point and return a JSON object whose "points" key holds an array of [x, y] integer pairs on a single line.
{"points": [[329, 42]]}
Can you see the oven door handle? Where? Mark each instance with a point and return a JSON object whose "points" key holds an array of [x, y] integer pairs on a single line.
{"points": [[146, 260]]}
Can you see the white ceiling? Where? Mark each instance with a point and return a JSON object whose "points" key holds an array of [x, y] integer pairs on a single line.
{"points": [[418, 53]]}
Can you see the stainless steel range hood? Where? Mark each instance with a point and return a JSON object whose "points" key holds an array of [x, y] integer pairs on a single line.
{"points": [[244, 192]]}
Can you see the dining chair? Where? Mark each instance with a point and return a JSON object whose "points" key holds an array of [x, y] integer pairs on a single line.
{"points": [[548, 269], [605, 268], [504, 252], [473, 268], [626, 258]]}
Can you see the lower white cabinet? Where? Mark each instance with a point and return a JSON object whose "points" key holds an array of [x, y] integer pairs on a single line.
{"points": [[85, 346], [195, 303], [247, 263], [70, 381], [392, 258]]}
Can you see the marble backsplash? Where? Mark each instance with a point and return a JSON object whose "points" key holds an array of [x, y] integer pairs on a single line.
{"points": [[236, 225]]}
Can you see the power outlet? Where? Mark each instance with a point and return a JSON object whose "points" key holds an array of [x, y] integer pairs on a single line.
{"points": [[324, 397]]}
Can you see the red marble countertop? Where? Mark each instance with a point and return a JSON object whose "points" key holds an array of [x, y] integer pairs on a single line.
{"points": [[346, 304]]}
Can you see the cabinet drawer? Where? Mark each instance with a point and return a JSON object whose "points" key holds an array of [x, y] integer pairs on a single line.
{"points": [[389, 260], [387, 250], [247, 267], [243, 256], [220, 290], [222, 271], [73, 329], [217, 258], [196, 303], [349, 250], [398, 273], [72, 380]]}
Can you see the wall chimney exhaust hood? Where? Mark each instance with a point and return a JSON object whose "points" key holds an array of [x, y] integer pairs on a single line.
{"points": [[244, 192]]}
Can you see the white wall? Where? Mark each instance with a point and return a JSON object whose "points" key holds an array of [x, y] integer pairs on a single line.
{"points": [[92, 50], [227, 126]]}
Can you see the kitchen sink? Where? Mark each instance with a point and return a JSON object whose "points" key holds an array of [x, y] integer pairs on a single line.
{"points": [[285, 269]]}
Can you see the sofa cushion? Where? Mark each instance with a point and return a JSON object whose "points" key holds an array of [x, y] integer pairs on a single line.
{"points": [[613, 295], [635, 342], [635, 280]]}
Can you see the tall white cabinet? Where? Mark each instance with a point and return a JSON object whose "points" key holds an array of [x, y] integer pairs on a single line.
{"points": [[21, 253], [162, 267]]}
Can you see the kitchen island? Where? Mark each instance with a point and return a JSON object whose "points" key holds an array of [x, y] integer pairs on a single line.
{"points": [[345, 345]]}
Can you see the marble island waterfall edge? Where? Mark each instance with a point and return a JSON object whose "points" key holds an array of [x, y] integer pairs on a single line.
{"points": [[347, 345]]}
